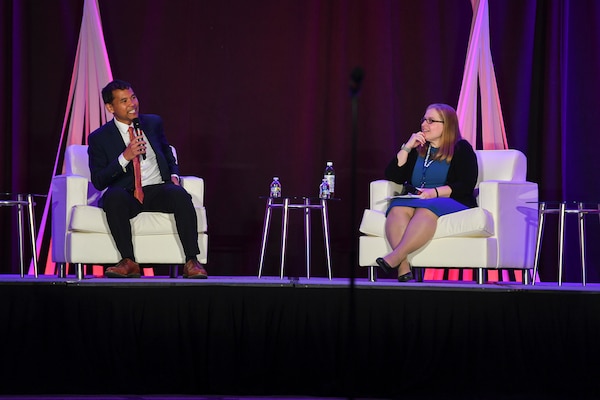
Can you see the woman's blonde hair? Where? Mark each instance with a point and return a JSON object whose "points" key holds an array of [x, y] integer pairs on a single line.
{"points": [[450, 133]]}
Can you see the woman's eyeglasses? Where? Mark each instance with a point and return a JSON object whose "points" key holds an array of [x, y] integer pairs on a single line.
{"points": [[430, 121]]}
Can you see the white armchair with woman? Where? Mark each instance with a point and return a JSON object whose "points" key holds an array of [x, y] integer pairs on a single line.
{"points": [[443, 168]]}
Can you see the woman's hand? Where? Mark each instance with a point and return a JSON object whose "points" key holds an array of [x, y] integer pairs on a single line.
{"points": [[427, 193], [416, 139], [432, 193]]}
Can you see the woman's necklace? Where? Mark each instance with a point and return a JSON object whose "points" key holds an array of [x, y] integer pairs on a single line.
{"points": [[426, 163]]}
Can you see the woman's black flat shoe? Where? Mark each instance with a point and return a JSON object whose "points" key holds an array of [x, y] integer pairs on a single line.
{"points": [[406, 277], [387, 268]]}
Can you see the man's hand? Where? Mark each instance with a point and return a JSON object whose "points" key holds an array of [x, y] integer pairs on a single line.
{"points": [[136, 147]]}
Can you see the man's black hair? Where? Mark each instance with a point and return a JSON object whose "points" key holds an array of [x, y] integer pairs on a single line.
{"points": [[117, 84]]}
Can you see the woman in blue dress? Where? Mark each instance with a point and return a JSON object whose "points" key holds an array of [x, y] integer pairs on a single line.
{"points": [[443, 167]]}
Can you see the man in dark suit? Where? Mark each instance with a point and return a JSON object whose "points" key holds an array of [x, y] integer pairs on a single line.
{"points": [[111, 152]]}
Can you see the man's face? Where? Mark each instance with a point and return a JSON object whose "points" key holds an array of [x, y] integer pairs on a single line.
{"points": [[125, 105]]}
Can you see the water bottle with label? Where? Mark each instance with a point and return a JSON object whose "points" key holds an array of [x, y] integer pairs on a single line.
{"points": [[275, 188], [324, 191], [330, 176]]}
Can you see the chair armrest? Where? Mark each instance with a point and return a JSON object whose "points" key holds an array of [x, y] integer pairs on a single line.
{"points": [[379, 192], [67, 192], [514, 210], [195, 187]]}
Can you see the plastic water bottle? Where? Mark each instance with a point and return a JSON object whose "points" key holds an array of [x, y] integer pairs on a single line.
{"points": [[324, 191], [330, 176], [275, 188]]}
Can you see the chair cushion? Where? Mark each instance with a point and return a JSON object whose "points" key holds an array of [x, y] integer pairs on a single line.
{"points": [[93, 219], [474, 222]]}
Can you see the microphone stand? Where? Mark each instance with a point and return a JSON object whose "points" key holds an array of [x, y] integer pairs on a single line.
{"points": [[353, 181], [355, 81], [356, 78]]}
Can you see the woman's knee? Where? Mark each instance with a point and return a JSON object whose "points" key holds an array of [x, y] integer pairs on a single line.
{"points": [[425, 212], [400, 213]]}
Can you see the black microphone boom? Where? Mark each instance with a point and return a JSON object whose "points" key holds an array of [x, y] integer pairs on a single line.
{"points": [[138, 131], [356, 78]]}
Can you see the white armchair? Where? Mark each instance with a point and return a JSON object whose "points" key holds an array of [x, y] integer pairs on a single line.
{"points": [[80, 233], [498, 234]]}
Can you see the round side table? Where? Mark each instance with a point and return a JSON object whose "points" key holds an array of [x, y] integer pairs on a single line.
{"points": [[302, 203], [23, 201]]}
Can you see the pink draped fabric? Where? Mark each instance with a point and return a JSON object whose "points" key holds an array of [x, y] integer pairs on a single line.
{"points": [[85, 109], [479, 70]]}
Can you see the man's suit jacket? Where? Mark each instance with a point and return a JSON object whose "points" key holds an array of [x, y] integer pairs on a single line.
{"points": [[106, 144]]}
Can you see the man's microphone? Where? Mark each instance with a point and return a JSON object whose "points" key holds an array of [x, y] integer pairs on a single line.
{"points": [[138, 132]]}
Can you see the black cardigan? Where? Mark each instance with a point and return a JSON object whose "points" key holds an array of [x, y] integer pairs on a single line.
{"points": [[462, 174]]}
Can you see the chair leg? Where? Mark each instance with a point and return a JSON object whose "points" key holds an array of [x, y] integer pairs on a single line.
{"points": [[526, 277], [372, 273], [481, 276], [419, 273], [79, 271], [173, 270], [61, 269]]}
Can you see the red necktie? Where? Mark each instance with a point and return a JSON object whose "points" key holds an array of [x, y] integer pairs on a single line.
{"points": [[137, 173]]}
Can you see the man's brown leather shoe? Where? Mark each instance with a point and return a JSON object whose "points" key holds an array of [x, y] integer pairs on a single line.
{"points": [[126, 268], [193, 269]]}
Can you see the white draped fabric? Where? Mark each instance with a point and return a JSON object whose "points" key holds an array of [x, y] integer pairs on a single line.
{"points": [[85, 110], [479, 71]]}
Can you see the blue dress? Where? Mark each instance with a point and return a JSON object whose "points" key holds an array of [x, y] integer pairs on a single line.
{"points": [[430, 175]]}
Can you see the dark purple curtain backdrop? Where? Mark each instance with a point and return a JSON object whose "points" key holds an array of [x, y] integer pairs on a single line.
{"points": [[250, 90]]}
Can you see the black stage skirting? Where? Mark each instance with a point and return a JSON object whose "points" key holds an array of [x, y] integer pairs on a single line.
{"points": [[267, 337]]}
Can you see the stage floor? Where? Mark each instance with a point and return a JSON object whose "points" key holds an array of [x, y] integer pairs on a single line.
{"points": [[317, 282], [164, 397], [240, 337]]}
